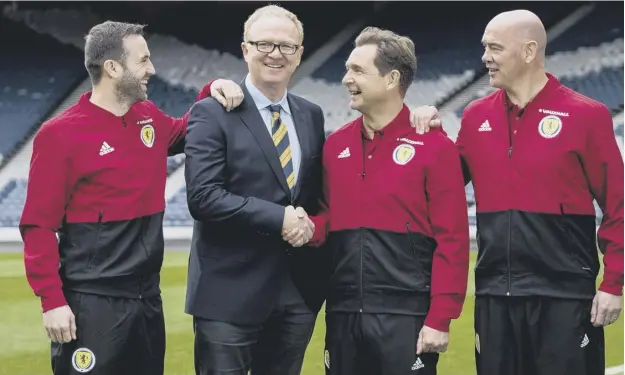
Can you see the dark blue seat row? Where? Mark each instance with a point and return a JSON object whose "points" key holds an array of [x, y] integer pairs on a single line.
{"points": [[174, 101], [603, 24], [448, 42], [36, 73], [605, 86], [219, 25], [12, 198]]}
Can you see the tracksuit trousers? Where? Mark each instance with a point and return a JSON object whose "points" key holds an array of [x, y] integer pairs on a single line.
{"points": [[375, 344], [537, 336], [115, 336]]}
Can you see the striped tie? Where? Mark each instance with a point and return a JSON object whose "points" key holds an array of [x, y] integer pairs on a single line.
{"points": [[281, 141]]}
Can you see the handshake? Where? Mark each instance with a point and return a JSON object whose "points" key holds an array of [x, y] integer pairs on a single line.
{"points": [[297, 228]]}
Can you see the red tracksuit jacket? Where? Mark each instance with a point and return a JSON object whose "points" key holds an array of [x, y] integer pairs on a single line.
{"points": [[99, 181], [535, 174], [396, 222]]}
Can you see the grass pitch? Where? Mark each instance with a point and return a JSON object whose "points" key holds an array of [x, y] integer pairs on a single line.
{"points": [[24, 349]]}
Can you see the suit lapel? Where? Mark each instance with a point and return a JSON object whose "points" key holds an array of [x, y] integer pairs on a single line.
{"points": [[302, 127], [252, 119]]}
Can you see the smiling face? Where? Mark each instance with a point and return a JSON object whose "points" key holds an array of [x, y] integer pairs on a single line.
{"points": [[131, 85], [379, 70], [269, 67], [365, 84], [503, 55]]}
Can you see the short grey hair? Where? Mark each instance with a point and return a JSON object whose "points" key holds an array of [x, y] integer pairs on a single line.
{"points": [[275, 11], [395, 52], [105, 41]]}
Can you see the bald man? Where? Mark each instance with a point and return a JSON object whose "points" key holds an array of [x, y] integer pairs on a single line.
{"points": [[538, 153]]}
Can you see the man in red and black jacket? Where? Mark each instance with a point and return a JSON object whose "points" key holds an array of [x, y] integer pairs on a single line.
{"points": [[538, 153], [97, 177], [396, 223]]}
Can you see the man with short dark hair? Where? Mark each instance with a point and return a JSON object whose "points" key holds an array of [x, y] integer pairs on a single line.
{"points": [[395, 219], [97, 177]]}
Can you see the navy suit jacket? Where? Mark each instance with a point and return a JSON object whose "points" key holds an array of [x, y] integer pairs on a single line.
{"points": [[236, 192]]}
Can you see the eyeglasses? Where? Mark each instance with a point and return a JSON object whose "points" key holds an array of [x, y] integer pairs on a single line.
{"points": [[268, 47]]}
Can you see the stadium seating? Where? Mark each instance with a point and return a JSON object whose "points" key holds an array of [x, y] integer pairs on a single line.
{"points": [[222, 22], [448, 59], [176, 213], [174, 101], [605, 86], [12, 198], [36, 73], [604, 23]]}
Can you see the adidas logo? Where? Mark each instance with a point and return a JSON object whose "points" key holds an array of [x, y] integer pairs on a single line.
{"points": [[345, 153], [485, 127], [585, 341], [106, 149], [418, 364]]}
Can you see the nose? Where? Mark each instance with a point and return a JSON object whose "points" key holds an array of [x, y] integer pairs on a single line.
{"points": [[276, 54], [347, 79], [485, 57], [151, 70]]}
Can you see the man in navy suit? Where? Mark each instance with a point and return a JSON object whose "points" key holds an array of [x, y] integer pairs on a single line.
{"points": [[254, 298]]}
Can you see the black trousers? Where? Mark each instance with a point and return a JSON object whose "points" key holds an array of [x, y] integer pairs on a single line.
{"points": [[118, 336], [537, 336], [276, 347], [375, 344]]}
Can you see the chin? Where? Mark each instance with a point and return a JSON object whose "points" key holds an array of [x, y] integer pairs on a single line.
{"points": [[495, 83], [355, 106]]}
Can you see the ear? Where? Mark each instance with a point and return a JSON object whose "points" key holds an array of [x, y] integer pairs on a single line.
{"points": [[245, 50], [300, 52], [392, 79], [112, 68], [529, 51]]}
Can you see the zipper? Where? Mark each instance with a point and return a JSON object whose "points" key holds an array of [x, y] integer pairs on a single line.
{"points": [[97, 239], [362, 232], [509, 135], [362, 240], [508, 293], [364, 158], [509, 252]]}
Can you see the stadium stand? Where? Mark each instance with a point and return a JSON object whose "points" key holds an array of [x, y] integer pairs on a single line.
{"points": [[36, 73], [588, 56], [448, 59], [12, 198], [173, 100]]}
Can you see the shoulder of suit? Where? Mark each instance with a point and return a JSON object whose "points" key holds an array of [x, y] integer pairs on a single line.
{"points": [[305, 102], [211, 105]]}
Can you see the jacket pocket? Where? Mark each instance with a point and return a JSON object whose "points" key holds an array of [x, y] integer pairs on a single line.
{"points": [[94, 248], [585, 263], [422, 251], [581, 247]]}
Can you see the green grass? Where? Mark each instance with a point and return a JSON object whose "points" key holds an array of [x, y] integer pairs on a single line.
{"points": [[24, 349]]}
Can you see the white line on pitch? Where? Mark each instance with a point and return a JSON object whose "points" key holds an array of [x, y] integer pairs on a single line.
{"points": [[615, 370]]}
